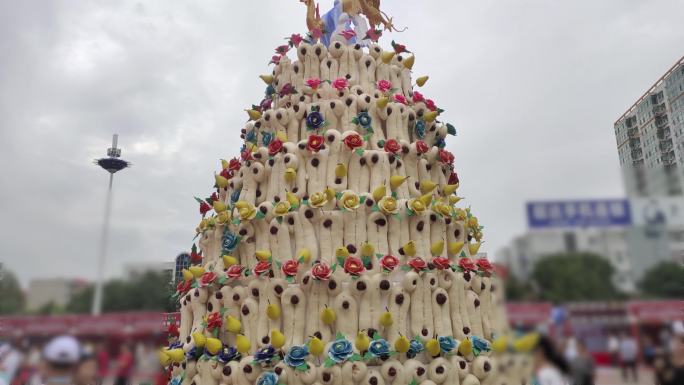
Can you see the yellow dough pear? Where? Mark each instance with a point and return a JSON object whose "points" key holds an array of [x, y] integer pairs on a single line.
{"points": [[219, 206], [422, 80], [224, 164], [402, 344], [242, 343], [316, 346], [273, 311], [263, 255], [329, 193], [305, 254], [396, 181], [340, 170], [268, 79], [455, 247], [432, 347], [382, 102], [427, 186], [233, 324], [229, 260], [253, 114], [290, 174], [164, 358], [342, 252], [187, 275], [379, 192], [328, 315], [500, 344], [430, 116], [294, 201], [214, 345], [367, 250], [387, 56], [176, 355], [474, 247], [410, 248], [221, 181], [386, 319], [450, 189], [362, 342], [196, 271], [277, 339], [408, 62], [199, 338], [437, 247], [465, 347]]}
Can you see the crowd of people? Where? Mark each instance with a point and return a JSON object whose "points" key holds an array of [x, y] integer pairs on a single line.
{"points": [[64, 360], [570, 363]]}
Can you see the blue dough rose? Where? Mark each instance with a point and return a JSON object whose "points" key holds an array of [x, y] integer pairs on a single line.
{"points": [[379, 348], [267, 378], [446, 343], [314, 120], [295, 356], [265, 355], [340, 351]]}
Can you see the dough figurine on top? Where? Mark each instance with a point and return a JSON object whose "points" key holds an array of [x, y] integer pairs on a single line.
{"points": [[333, 250]]}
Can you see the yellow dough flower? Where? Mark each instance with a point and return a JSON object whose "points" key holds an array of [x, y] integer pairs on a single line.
{"points": [[281, 208], [388, 205], [318, 199], [417, 206], [247, 213], [443, 209], [350, 201]]}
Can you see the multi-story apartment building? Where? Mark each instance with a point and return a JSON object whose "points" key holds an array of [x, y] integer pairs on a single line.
{"points": [[650, 139]]}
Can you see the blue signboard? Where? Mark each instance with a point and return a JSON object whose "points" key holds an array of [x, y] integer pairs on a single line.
{"points": [[584, 213]]}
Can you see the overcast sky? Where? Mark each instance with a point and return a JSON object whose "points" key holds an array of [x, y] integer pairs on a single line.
{"points": [[533, 88]]}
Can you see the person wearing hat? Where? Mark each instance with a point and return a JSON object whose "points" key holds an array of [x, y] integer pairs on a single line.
{"points": [[61, 357], [669, 369]]}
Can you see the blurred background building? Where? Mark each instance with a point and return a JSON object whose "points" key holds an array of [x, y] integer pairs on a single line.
{"points": [[51, 292]]}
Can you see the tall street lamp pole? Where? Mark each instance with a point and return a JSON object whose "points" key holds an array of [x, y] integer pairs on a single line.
{"points": [[112, 163]]}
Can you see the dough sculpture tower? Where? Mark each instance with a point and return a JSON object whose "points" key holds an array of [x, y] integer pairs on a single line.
{"points": [[333, 250]]}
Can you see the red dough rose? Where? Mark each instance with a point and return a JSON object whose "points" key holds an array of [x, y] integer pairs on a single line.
{"points": [[421, 147], [261, 268], [466, 264], [417, 97], [321, 271], [274, 147], [340, 84], [389, 262], [391, 145], [208, 278], [484, 265], [353, 266], [446, 157], [430, 105], [314, 143], [353, 141], [384, 85], [400, 98], [441, 263], [234, 164], [214, 321], [417, 263], [235, 271], [184, 287], [290, 268]]}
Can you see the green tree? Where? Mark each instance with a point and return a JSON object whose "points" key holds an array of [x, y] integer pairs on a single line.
{"points": [[574, 277], [150, 291], [664, 280], [12, 297], [518, 290]]}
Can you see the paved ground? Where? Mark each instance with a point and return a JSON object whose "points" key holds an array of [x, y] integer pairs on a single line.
{"points": [[612, 376]]}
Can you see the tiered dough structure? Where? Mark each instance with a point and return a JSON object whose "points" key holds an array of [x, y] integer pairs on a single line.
{"points": [[332, 251]]}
